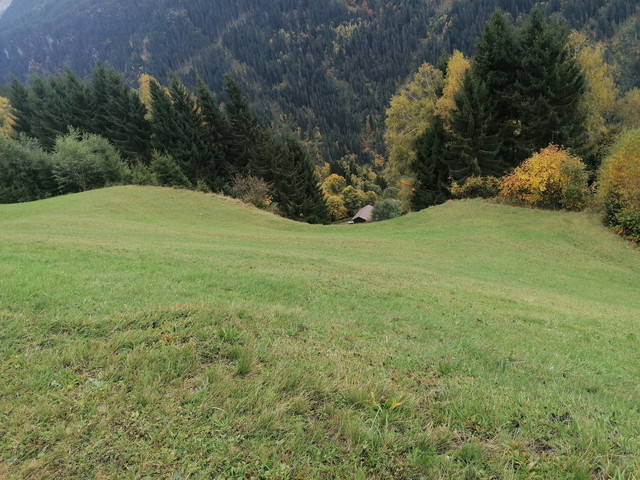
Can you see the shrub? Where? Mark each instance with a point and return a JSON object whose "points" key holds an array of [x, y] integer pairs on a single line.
{"points": [[476, 187], [619, 185], [85, 161], [167, 172], [26, 171], [139, 174], [385, 210], [253, 190], [551, 178]]}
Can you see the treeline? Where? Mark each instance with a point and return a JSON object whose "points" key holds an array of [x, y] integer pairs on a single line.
{"points": [[100, 132], [534, 118]]}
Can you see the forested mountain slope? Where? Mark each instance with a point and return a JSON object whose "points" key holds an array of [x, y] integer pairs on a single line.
{"points": [[326, 67]]}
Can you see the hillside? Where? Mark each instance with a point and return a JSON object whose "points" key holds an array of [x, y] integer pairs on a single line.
{"points": [[328, 68], [173, 334]]}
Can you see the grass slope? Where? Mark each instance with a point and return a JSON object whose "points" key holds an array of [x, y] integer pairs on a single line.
{"points": [[152, 333]]}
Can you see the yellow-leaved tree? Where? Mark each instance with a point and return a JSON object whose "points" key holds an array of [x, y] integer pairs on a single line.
{"points": [[598, 102], [628, 109], [408, 116], [6, 119], [619, 185], [446, 104], [145, 93], [550, 178]]}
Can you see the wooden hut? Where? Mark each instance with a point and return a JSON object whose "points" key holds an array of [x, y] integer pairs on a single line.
{"points": [[363, 215]]}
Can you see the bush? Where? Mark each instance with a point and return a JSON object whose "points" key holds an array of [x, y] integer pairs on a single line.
{"points": [[551, 178], [385, 210], [139, 174], [253, 190], [85, 161], [26, 171], [619, 185], [476, 187], [167, 173]]}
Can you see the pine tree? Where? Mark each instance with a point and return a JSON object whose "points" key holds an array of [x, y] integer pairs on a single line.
{"points": [[75, 98], [50, 117], [165, 132]]}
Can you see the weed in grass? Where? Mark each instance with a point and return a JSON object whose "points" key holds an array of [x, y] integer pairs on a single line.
{"points": [[229, 334]]}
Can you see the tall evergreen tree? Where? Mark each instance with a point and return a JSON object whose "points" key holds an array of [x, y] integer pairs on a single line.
{"points": [[75, 98], [215, 126], [241, 147], [550, 87], [296, 187], [430, 167], [496, 65], [475, 141], [21, 107], [165, 132], [50, 117], [119, 114]]}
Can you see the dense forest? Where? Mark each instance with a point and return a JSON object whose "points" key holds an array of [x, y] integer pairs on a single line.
{"points": [[325, 70], [69, 135]]}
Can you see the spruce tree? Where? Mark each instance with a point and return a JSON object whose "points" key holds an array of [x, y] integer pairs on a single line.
{"points": [[215, 127], [496, 65], [21, 107], [165, 132], [241, 147], [119, 115], [50, 117], [430, 167], [475, 141], [295, 186], [550, 87], [75, 99]]}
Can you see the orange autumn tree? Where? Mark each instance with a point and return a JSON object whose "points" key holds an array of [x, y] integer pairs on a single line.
{"points": [[550, 178]]}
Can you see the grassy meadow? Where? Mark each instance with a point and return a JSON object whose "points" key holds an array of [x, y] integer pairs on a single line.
{"points": [[154, 333]]}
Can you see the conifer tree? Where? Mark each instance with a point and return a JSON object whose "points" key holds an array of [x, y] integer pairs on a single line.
{"points": [[21, 107], [215, 126], [475, 142], [430, 167], [119, 114], [550, 88], [165, 132], [296, 187], [75, 98], [241, 148], [495, 66], [50, 117]]}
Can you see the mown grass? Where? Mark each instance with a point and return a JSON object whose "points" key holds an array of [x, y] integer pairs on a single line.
{"points": [[152, 333]]}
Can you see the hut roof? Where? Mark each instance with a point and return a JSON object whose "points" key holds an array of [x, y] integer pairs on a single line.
{"points": [[363, 215]]}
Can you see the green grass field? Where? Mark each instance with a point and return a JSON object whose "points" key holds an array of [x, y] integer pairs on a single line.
{"points": [[156, 333]]}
